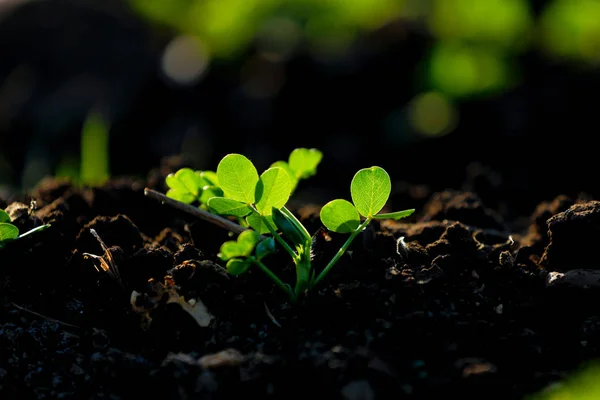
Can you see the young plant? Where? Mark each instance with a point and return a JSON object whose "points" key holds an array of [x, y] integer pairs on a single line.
{"points": [[9, 232], [189, 186], [259, 203]]}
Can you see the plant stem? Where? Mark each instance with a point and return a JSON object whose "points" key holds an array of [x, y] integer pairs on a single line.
{"points": [[342, 249], [295, 221], [196, 212], [275, 279]]}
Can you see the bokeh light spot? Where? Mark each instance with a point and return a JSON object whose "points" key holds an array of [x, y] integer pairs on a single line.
{"points": [[432, 114], [185, 60]]}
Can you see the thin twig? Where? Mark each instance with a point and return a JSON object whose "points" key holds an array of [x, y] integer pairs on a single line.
{"points": [[196, 212], [18, 307]]}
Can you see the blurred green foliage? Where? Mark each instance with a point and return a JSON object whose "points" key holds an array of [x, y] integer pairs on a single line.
{"points": [[475, 42], [93, 166], [583, 385]]}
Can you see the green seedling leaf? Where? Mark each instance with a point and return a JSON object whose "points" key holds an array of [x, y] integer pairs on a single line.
{"points": [[258, 223], [370, 189], [184, 197], [237, 177], [242, 247], [185, 185], [209, 192], [286, 167], [226, 206], [304, 162], [289, 229], [340, 216], [265, 247], [395, 215], [209, 177], [237, 266], [272, 190], [4, 217], [8, 231]]}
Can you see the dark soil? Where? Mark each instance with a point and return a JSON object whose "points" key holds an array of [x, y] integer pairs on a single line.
{"points": [[452, 301]]}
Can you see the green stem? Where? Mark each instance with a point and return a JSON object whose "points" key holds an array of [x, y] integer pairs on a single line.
{"points": [[342, 250], [296, 222], [278, 238], [275, 278]]}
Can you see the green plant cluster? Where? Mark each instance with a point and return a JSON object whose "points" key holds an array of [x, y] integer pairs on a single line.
{"points": [[259, 203]]}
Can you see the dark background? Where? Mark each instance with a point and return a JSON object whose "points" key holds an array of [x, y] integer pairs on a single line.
{"points": [[60, 59]]}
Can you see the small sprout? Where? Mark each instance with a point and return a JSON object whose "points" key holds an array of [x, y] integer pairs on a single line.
{"points": [[258, 201], [10, 232]]}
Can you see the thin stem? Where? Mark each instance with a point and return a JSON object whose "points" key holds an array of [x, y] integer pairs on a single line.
{"points": [[342, 250], [275, 279], [295, 221], [196, 212], [276, 236]]}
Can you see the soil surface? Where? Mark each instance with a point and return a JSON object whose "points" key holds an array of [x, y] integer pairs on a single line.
{"points": [[463, 298]]}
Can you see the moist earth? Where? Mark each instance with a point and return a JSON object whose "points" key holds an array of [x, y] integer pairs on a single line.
{"points": [[464, 297]]}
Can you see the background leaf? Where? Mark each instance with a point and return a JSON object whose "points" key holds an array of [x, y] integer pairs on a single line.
{"points": [[237, 177], [370, 189], [304, 162], [8, 231], [272, 190], [340, 216]]}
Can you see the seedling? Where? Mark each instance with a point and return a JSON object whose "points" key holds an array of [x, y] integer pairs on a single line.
{"points": [[189, 186], [9, 232], [259, 202]]}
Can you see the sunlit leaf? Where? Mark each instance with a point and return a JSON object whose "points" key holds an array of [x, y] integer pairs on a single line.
{"points": [[259, 223], [8, 231], [340, 216], [273, 190], [370, 189], [242, 247], [4, 217], [237, 177], [226, 206]]}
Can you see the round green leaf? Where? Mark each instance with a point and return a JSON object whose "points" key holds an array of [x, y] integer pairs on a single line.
{"points": [[236, 266], [370, 189], [272, 190], [304, 162], [181, 195], [259, 223], [237, 177], [8, 231], [185, 180], [340, 216], [225, 206], [242, 247], [4, 217]]}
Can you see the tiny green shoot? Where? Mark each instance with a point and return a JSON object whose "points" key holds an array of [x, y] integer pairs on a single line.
{"points": [[258, 202], [10, 232]]}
